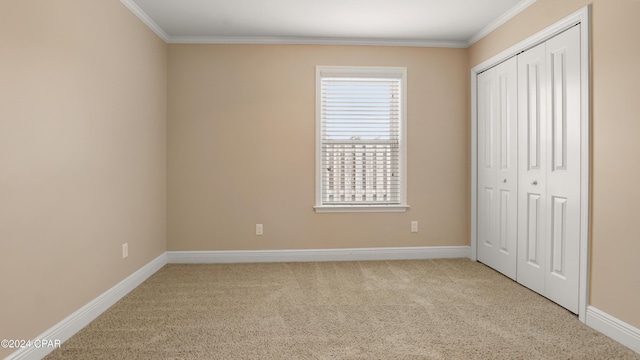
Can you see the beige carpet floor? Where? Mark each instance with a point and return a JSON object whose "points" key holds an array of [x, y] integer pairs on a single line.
{"points": [[436, 309]]}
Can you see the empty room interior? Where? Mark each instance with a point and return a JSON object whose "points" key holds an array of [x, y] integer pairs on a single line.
{"points": [[129, 149]]}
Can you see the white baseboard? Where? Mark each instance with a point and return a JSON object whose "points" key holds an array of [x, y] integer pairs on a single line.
{"points": [[351, 254], [614, 328], [82, 317]]}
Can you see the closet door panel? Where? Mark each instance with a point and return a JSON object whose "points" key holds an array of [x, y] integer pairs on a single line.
{"points": [[486, 166], [532, 158], [497, 173], [507, 166], [563, 169]]}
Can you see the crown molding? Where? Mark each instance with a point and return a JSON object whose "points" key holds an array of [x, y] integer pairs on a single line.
{"points": [[313, 41], [499, 21], [135, 9]]}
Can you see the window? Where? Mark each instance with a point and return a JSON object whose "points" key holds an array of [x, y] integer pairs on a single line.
{"points": [[360, 146]]}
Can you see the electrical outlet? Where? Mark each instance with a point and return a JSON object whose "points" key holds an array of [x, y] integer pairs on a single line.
{"points": [[125, 250], [259, 229], [414, 226]]}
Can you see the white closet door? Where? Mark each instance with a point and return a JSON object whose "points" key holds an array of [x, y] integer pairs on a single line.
{"points": [[487, 173], [498, 169], [532, 158], [563, 169], [549, 163]]}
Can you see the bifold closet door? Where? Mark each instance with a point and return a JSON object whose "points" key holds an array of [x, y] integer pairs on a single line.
{"points": [[532, 154], [498, 167], [549, 168]]}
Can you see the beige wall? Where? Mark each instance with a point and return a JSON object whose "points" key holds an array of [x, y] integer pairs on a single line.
{"points": [[615, 243], [241, 149], [83, 165]]}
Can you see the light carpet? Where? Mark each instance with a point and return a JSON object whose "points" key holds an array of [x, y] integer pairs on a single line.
{"points": [[423, 309]]}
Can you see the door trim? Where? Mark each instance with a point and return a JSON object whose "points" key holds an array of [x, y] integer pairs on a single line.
{"points": [[581, 17]]}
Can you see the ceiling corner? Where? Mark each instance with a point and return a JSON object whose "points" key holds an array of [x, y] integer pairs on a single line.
{"points": [[135, 9], [521, 6]]}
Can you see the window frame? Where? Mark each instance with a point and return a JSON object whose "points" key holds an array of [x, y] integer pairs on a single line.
{"points": [[366, 72]]}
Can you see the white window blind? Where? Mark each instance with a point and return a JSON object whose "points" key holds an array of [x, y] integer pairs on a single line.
{"points": [[360, 150]]}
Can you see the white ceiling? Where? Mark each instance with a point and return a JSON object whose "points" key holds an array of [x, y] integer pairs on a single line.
{"points": [[451, 23]]}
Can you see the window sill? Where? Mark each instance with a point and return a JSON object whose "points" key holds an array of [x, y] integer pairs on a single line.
{"points": [[360, 208]]}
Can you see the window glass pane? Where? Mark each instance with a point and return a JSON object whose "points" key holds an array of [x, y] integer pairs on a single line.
{"points": [[361, 120]]}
